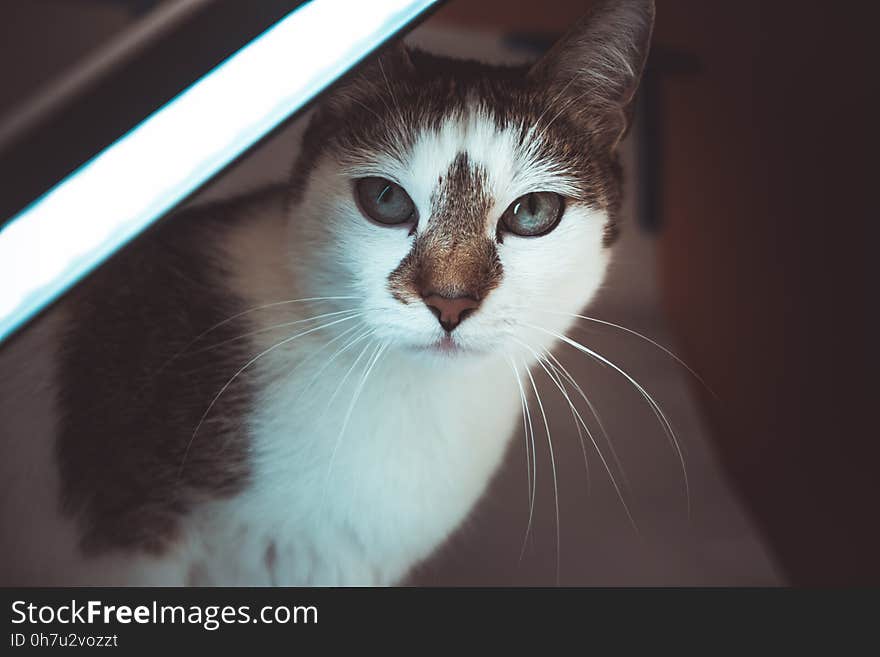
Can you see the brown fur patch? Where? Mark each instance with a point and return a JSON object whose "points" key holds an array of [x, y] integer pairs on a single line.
{"points": [[131, 400], [452, 257]]}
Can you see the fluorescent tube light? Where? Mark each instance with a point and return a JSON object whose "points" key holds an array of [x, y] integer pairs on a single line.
{"points": [[76, 225]]}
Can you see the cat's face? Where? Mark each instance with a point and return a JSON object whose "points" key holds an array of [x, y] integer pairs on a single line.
{"points": [[465, 205]]}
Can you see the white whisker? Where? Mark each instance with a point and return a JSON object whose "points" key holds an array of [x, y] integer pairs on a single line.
{"points": [[317, 351], [553, 466], [661, 417], [626, 329], [523, 402], [238, 373], [377, 353], [559, 367], [580, 419], [578, 422], [529, 436], [552, 103], [201, 335], [370, 110], [361, 336], [342, 383], [275, 327], [391, 93]]}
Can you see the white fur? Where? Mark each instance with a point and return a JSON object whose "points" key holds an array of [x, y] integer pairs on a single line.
{"points": [[426, 434]]}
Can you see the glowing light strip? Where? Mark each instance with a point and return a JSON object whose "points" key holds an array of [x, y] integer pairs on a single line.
{"points": [[76, 225]]}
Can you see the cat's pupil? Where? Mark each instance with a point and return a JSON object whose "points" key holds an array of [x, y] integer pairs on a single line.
{"points": [[526, 213], [531, 200], [386, 195]]}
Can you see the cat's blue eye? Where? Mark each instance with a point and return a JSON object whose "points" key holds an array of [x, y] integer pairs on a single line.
{"points": [[384, 201], [533, 214]]}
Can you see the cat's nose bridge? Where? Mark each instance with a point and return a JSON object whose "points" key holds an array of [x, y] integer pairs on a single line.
{"points": [[463, 270], [466, 268]]}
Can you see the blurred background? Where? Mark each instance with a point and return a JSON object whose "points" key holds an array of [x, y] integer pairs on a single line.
{"points": [[745, 250]]}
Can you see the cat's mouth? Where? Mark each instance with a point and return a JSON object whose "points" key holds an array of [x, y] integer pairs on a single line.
{"points": [[445, 346]]}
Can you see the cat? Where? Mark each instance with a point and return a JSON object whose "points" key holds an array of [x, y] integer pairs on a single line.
{"points": [[314, 383]]}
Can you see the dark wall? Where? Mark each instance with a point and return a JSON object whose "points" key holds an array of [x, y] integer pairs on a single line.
{"points": [[765, 261]]}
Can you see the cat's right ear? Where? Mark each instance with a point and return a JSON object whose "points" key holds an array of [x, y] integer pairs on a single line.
{"points": [[594, 70], [372, 77]]}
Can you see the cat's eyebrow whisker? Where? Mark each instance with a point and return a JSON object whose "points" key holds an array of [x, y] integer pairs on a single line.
{"points": [[658, 412], [553, 467], [239, 372], [391, 93], [552, 103], [561, 111], [369, 109], [374, 358], [529, 436], [379, 93], [554, 100]]}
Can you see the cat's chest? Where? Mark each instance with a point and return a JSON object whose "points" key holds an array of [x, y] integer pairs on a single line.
{"points": [[357, 478]]}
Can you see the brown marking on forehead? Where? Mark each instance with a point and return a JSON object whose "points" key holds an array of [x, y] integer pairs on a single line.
{"points": [[461, 200], [452, 256]]}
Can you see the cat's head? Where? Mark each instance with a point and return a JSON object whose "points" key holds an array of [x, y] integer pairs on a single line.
{"points": [[463, 204]]}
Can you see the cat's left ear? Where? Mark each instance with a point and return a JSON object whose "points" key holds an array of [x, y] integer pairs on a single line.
{"points": [[594, 70]]}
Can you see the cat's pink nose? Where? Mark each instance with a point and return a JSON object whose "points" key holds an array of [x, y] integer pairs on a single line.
{"points": [[450, 311]]}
